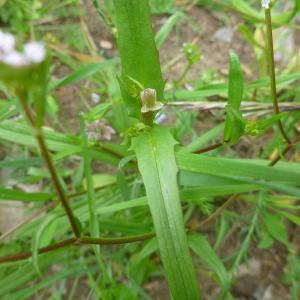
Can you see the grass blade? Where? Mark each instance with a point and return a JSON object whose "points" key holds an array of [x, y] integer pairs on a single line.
{"points": [[157, 164], [138, 52]]}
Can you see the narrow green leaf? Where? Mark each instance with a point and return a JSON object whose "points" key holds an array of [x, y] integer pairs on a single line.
{"points": [[202, 248], [42, 238], [276, 227], [138, 52], [167, 28], [239, 168], [234, 123], [157, 164], [81, 74], [22, 134], [291, 217], [9, 194], [236, 82], [101, 180], [202, 140]]}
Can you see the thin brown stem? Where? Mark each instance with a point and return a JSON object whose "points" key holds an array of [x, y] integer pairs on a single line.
{"points": [[58, 187], [25, 255], [45, 153], [214, 215], [271, 62], [79, 241], [279, 156], [209, 148]]}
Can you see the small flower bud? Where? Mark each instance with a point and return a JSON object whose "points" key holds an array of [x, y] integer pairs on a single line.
{"points": [[149, 101], [95, 98], [265, 4], [35, 52]]}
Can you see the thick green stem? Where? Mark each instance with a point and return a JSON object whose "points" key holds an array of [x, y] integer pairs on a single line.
{"points": [[272, 71]]}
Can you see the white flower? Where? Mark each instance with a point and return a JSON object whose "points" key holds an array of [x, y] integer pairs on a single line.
{"points": [[35, 52], [95, 98], [265, 4], [14, 59], [7, 42]]}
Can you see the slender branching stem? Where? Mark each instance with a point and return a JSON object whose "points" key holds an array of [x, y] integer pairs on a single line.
{"points": [[279, 156], [209, 148], [78, 241], [25, 255], [215, 214], [38, 133], [271, 63], [115, 241]]}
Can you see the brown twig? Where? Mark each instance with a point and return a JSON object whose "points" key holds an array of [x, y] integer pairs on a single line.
{"points": [[279, 156], [45, 153], [209, 148], [78, 241], [215, 214], [24, 255]]}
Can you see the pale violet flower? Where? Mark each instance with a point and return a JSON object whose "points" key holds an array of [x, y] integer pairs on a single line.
{"points": [[7, 42], [14, 59], [99, 130], [160, 118], [35, 52], [265, 4]]}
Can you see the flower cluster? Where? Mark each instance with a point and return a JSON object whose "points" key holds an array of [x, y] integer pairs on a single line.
{"points": [[265, 4], [99, 131], [33, 52]]}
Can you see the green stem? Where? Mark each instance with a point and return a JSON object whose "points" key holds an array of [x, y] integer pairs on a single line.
{"points": [[272, 71], [115, 241], [182, 76]]}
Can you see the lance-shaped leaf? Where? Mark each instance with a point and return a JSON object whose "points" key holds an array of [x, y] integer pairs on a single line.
{"points": [[156, 161], [138, 52], [234, 124]]}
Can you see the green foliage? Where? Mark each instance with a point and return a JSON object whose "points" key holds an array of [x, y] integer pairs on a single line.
{"points": [[156, 161], [138, 52], [234, 124], [138, 207]]}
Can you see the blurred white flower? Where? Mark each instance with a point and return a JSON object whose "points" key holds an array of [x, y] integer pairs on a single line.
{"points": [[95, 98], [265, 4], [14, 59], [35, 52], [7, 42]]}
